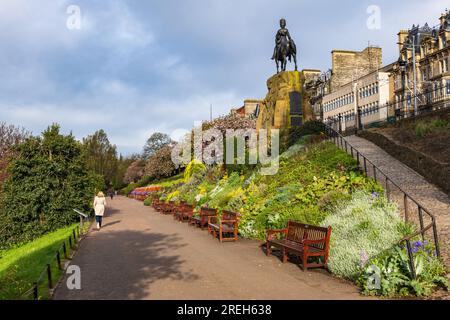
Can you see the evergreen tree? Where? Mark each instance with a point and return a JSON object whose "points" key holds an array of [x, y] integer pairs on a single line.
{"points": [[47, 179]]}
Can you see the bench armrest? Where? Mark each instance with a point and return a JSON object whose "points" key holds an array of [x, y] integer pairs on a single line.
{"points": [[228, 221], [271, 233]]}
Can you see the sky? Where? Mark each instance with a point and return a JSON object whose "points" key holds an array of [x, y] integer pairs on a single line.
{"points": [[136, 67]]}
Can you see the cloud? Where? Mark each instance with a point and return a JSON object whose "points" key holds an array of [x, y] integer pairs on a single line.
{"points": [[137, 67]]}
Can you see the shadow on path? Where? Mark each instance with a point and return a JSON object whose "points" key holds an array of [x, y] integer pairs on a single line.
{"points": [[124, 264]]}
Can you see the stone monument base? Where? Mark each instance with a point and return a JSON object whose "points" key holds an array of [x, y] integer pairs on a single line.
{"points": [[286, 104]]}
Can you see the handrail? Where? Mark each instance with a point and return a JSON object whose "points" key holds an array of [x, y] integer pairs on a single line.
{"points": [[343, 144]]}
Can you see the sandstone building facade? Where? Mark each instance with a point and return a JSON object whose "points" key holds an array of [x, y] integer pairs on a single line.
{"points": [[432, 48]]}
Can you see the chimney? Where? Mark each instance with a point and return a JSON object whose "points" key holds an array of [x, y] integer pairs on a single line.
{"points": [[402, 35]]}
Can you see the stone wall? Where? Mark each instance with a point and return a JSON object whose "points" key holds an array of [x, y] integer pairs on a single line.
{"points": [[350, 65]]}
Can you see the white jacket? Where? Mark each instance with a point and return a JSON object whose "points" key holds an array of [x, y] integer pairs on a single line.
{"points": [[99, 206]]}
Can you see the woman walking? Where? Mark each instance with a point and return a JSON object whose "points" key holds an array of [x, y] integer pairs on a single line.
{"points": [[99, 207]]}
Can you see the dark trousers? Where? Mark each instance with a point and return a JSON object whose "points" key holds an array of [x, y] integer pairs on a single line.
{"points": [[99, 220]]}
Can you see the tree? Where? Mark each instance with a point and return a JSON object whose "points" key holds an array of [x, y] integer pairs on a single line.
{"points": [[47, 178], [10, 136], [160, 165], [123, 163], [135, 171], [101, 156], [157, 141]]}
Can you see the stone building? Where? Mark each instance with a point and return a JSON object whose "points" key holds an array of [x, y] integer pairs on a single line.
{"points": [[347, 66], [368, 95], [249, 110], [351, 65], [432, 59]]}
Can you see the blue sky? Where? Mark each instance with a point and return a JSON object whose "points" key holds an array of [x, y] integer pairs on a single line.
{"points": [[136, 67]]}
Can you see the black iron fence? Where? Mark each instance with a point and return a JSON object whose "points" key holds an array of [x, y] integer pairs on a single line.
{"points": [[413, 211], [54, 269]]}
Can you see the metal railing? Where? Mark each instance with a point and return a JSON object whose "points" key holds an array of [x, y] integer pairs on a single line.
{"points": [[47, 277], [392, 189], [375, 115]]}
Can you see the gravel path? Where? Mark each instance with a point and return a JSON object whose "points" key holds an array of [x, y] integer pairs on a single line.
{"points": [[141, 254], [430, 196]]}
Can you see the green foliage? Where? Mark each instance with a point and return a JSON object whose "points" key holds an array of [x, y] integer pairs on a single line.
{"points": [[393, 270], [194, 167], [309, 128], [425, 127], [21, 265], [148, 201], [363, 226], [47, 179], [155, 143], [101, 157]]}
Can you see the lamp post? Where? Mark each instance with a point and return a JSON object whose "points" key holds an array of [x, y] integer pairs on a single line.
{"points": [[402, 64], [413, 48]]}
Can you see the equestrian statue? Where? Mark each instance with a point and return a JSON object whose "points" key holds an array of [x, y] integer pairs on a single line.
{"points": [[285, 48]]}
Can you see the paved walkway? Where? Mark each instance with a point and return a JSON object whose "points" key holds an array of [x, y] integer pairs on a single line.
{"points": [[430, 196], [141, 254]]}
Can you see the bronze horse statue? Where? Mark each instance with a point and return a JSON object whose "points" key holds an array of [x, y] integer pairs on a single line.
{"points": [[285, 48]]}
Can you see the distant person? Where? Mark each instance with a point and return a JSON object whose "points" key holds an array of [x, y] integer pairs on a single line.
{"points": [[99, 207], [111, 194]]}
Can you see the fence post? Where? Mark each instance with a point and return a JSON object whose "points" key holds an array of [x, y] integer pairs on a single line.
{"points": [[70, 242], [411, 259], [49, 276], [65, 250], [365, 165], [58, 259], [35, 291], [421, 221], [357, 158], [436, 239], [405, 203], [387, 189], [74, 236], [375, 173]]}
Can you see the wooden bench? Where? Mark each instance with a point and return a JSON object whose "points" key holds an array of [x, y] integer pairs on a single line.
{"points": [[226, 226], [303, 241], [202, 219], [184, 212], [169, 208], [157, 204], [179, 210]]}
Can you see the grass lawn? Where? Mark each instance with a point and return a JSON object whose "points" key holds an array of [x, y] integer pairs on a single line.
{"points": [[21, 266]]}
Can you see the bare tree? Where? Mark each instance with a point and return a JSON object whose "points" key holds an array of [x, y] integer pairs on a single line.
{"points": [[10, 136]]}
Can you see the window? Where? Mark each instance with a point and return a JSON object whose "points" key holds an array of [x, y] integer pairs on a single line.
{"points": [[444, 65], [448, 87]]}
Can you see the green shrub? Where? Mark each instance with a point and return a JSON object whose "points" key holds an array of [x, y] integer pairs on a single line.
{"points": [[364, 226], [393, 271], [148, 202], [48, 178], [309, 128], [194, 167]]}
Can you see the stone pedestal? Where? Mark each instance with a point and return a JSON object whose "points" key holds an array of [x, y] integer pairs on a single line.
{"points": [[286, 105]]}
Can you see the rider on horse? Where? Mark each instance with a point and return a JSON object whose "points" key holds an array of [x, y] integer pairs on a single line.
{"points": [[284, 42]]}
